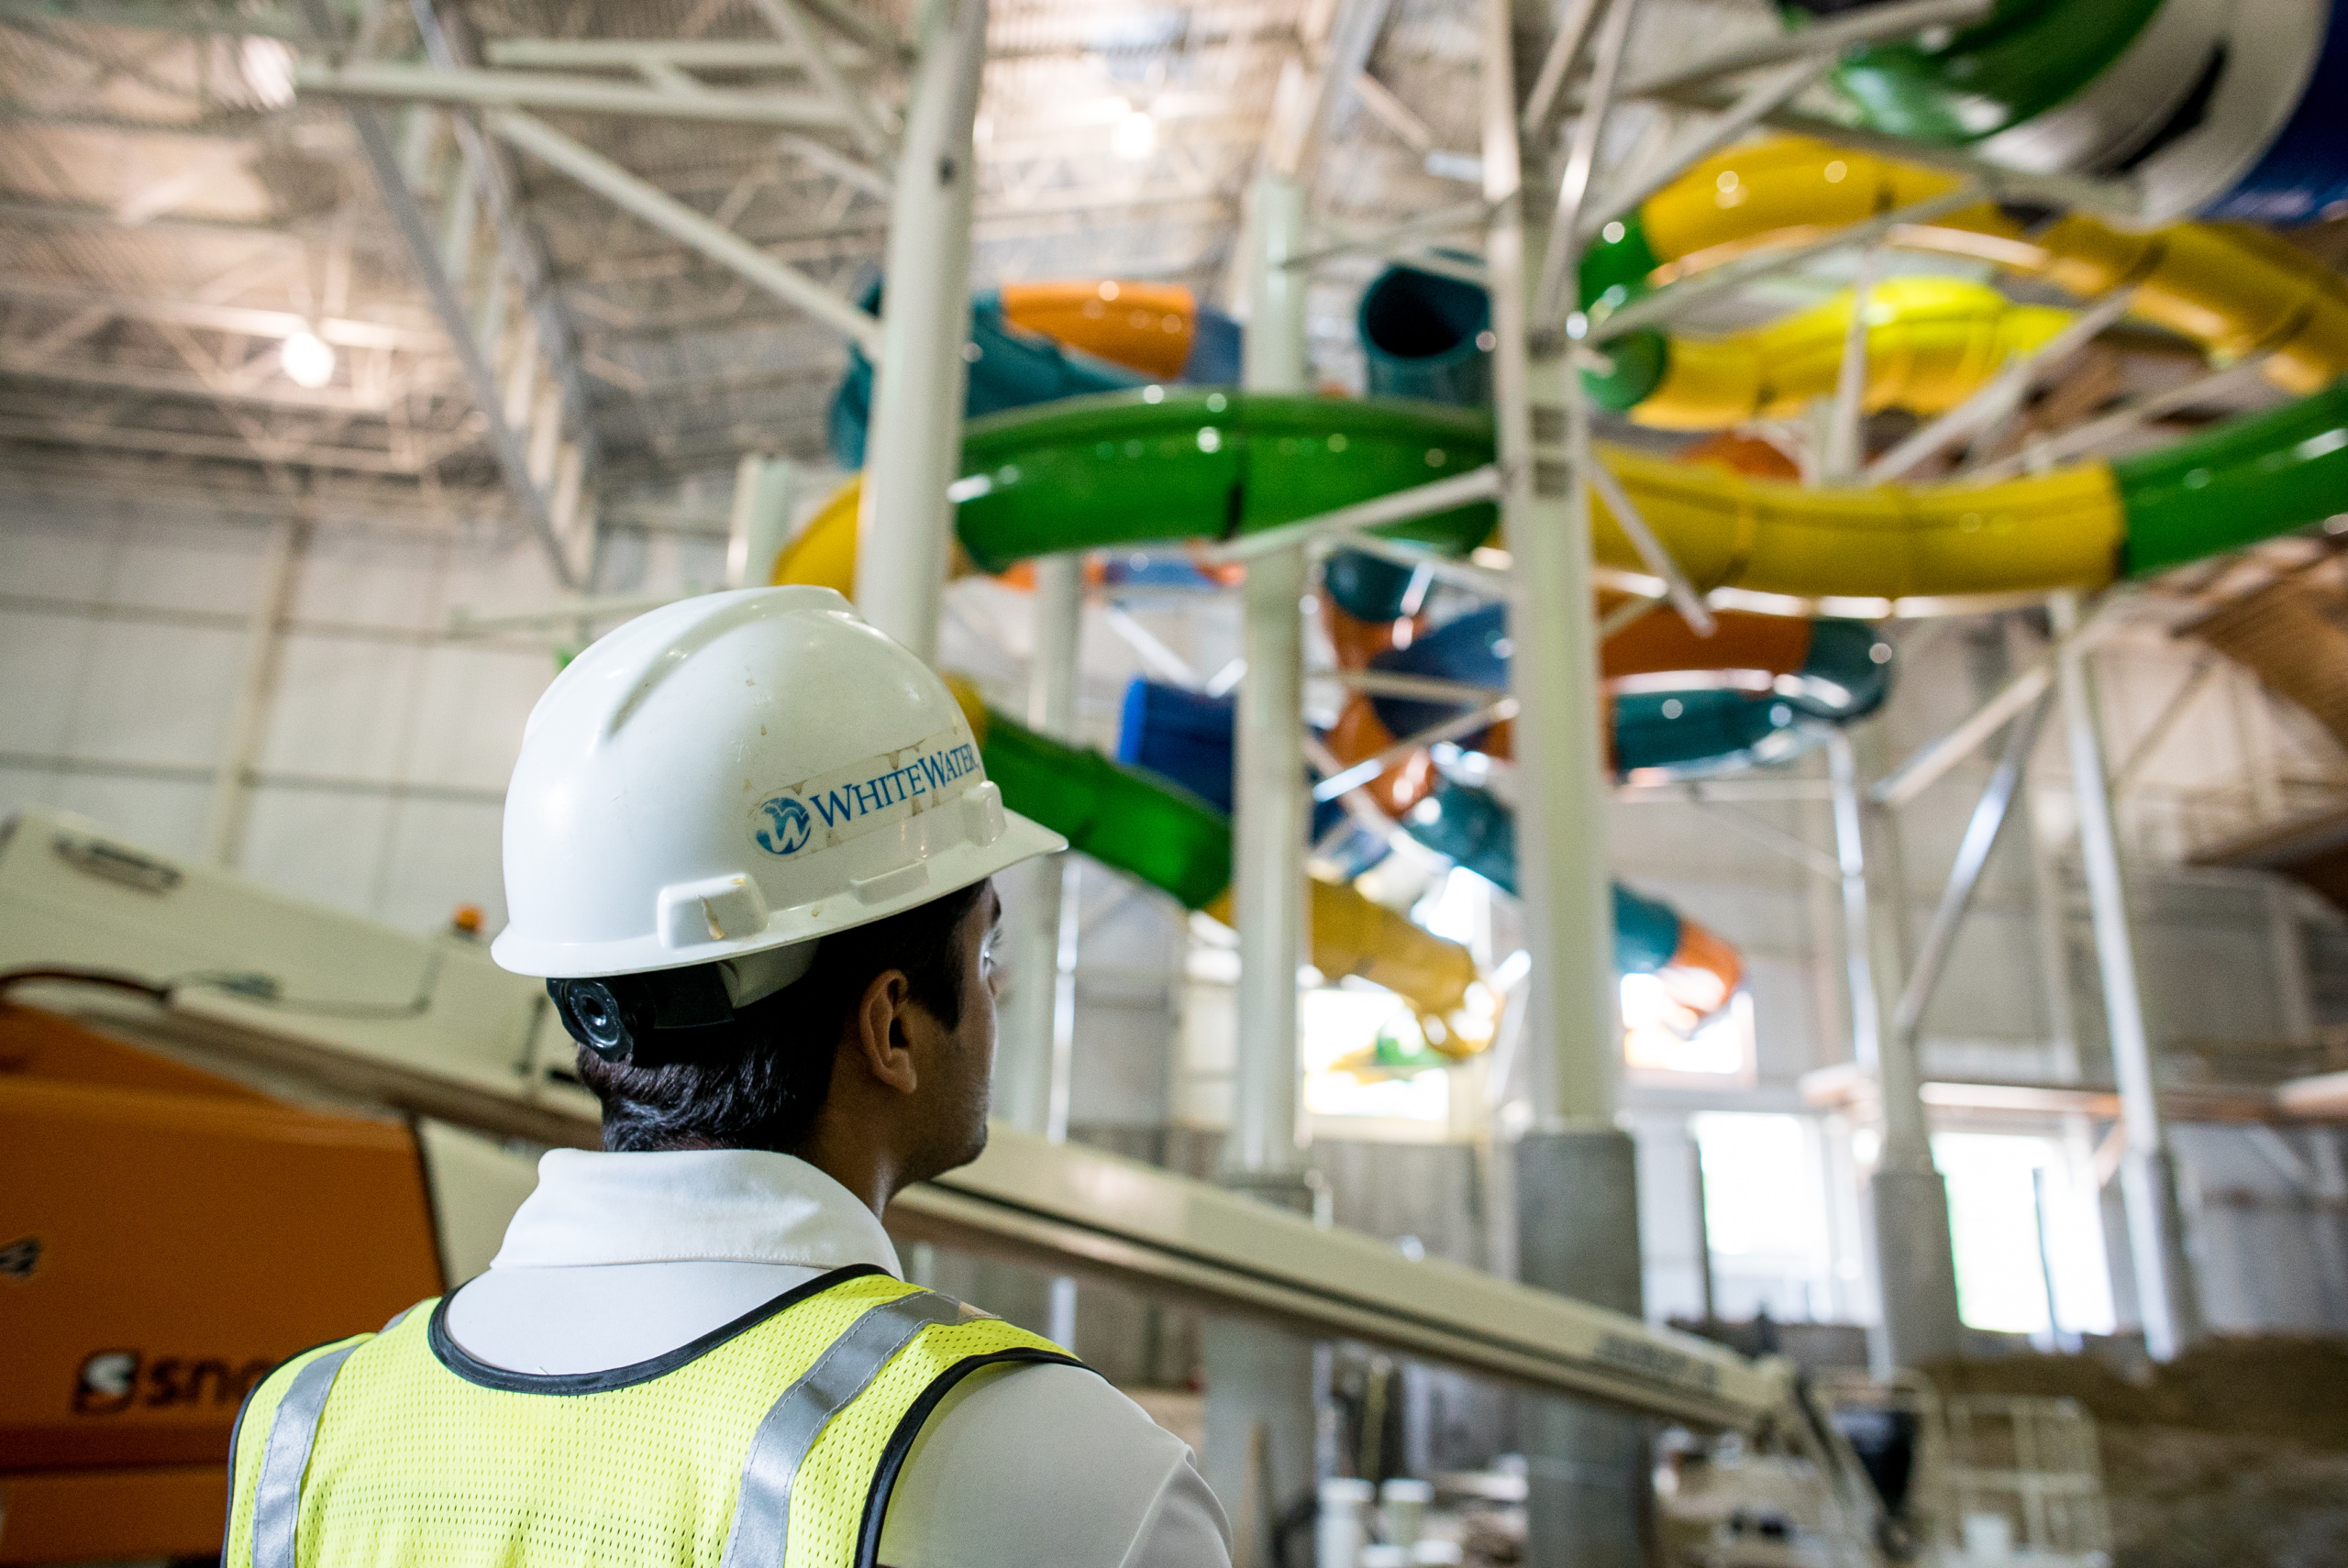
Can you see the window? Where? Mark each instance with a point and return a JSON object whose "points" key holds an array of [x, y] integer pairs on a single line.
{"points": [[1765, 1214], [1361, 1053], [1664, 1041], [2006, 1193]]}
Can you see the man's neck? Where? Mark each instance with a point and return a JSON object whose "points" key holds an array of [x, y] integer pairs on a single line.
{"points": [[861, 1165]]}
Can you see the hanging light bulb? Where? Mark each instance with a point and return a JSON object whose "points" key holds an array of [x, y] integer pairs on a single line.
{"points": [[307, 360]]}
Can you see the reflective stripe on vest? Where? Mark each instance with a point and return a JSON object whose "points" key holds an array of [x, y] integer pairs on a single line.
{"points": [[774, 1442]]}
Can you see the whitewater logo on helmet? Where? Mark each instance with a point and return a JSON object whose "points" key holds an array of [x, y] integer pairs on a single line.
{"points": [[874, 793], [788, 826]]}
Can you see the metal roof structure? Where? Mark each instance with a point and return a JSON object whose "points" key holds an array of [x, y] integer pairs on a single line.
{"points": [[185, 189], [173, 210]]}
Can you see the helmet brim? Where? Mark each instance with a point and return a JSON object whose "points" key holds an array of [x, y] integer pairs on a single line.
{"points": [[949, 871]]}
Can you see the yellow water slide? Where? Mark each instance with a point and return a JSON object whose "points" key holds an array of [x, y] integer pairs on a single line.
{"points": [[1931, 344], [2233, 290]]}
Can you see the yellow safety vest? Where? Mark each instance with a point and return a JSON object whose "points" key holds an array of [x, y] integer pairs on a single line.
{"points": [[771, 1442]]}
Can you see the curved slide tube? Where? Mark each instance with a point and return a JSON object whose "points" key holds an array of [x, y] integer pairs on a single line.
{"points": [[1683, 706], [1188, 739], [2231, 108], [1034, 343], [1830, 669], [1170, 838], [1122, 469], [1931, 343], [2233, 291]]}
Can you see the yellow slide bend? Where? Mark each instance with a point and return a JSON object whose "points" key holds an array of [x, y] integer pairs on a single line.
{"points": [[823, 554], [2056, 530], [2234, 289], [1931, 343]]}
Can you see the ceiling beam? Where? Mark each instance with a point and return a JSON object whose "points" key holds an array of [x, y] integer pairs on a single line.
{"points": [[193, 19], [423, 256], [174, 384], [679, 222], [489, 172], [684, 54], [214, 126], [24, 209], [375, 80], [77, 431], [344, 332]]}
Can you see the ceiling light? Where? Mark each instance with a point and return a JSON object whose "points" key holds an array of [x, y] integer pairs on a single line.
{"points": [[268, 70], [307, 360], [1136, 137]]}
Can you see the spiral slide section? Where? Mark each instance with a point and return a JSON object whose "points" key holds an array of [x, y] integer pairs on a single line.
{"points": [[1130, 468], [2225, 108], [1187, 738], [2234, 291], [1931, 343], [1036, 343], [1172, 838]]}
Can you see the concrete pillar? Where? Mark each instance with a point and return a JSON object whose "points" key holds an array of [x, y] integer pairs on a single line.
{"points": [[904, 533], [2168, 1305], [1588, 1469]]}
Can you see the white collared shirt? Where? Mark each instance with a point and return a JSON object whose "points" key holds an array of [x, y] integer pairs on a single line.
{"points": [[619, 1258]]}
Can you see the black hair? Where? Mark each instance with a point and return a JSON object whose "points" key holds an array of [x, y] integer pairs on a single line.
{"points": [[769, 1096]]}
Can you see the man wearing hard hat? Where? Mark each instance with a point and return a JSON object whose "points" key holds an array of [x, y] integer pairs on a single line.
{"points": [[748, 844]]}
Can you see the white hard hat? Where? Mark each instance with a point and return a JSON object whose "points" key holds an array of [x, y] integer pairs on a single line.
{"points": [[735, 774]]}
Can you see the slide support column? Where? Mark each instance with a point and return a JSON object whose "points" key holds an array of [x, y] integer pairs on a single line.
{"points": [[2166, 1296], [1262, 1410], [1031, 1062], [904, 534], [1915, 1264], [1576, 1173]]}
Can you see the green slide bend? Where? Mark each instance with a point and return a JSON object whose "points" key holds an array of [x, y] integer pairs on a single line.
{"points": [[1128, 467], [1177, 463], [2222, 489], [1152, 828], [1119, 815], [2023, 59]]}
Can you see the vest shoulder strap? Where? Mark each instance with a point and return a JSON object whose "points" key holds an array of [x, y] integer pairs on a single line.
{"points": [[816, 1482], [269, 1453]]}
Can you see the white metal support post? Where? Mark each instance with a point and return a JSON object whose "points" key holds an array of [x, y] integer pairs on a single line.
{"points": [[904, 537], [2050, 928], [1546, 516], [1034, 1056], [1575, 1173], [1263, 1387], [1030, 1074], [760, 523], [1269, 827], [1915, 1265], [2164, 1290]]}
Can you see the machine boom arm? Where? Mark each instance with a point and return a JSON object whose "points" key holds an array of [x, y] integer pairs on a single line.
{"points": [[473, 1047]]}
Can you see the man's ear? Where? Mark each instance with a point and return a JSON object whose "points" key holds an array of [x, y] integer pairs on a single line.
{"points": [[877, 1035]]}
